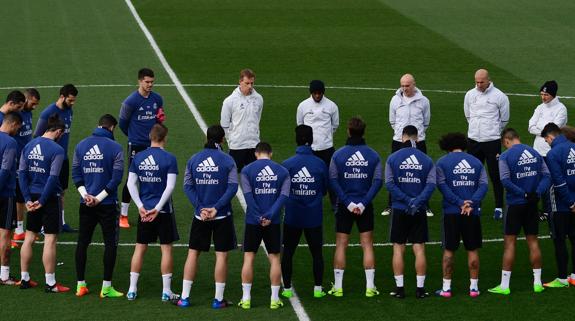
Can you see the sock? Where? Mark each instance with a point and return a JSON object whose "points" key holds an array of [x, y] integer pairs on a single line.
{"points": [[338, 276], [369, 277], [275, 292], [63, 218], [246, 289], [573, 276], [167, 283], [82, 283], [134, 282], [20, 227], [4, 272], [420, 281], [473, 284], [220, 287], [124, 209], [398, 280], [317, 288], [536, 276], [564, 281], [446, 285], [25, 276], [106, 284], [186, 287], [499, 209], [50, 278], [505, 278]]}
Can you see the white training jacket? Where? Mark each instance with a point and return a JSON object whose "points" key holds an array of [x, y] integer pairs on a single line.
{"points": [[240, 118], [487, 113], [552, 112], [405, 111], [323, 117]]}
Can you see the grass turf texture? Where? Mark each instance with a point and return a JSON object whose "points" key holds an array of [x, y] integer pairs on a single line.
{"points": [[367, 44]]}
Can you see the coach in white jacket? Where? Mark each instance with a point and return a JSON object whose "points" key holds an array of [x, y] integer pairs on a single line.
{"points": [[322, 115], [240, 118], [551, 110], [487, 111]]}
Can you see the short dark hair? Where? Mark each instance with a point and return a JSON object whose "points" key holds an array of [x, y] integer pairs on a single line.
{"points": [[410, 131], [55, 123], [68, 90], [452, 141], [551, 129], [215, 134], [145, 72], [158, 132], [509, 133], [356, 126], [12, 118], [303, 135], [263, 147], [107, 121], [32, 92], [16, 97]]}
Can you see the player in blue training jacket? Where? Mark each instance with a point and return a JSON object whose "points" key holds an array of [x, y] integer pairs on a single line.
{"points": [[210, 182], [39, 179], [410, 179], [63, 108], [8, 150], [561, 162], [97, 169], [140, 111], [151, 182], [304, 209], [23, 137], [266, 187], [462, 180], [525, 176], [355, 175]]}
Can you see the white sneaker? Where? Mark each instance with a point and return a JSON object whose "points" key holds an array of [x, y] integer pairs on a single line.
{"points": [[386, 212], [429, 213]]}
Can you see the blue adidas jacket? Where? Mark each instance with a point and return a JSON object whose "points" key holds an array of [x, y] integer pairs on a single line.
{"points": [[561, 162], [65, 115], [8, 154], [138, 116]]}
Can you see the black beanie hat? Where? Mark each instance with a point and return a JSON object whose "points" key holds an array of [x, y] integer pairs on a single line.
{"points": [[550, 87], [303, 135], [316, 85]]}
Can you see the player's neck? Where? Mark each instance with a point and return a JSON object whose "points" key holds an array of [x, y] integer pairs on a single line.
{"points": [[457, 151], [144, 93], [158, 144]]}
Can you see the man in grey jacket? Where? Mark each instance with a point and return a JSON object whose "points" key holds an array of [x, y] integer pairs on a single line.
{"points": [[240, 118]]}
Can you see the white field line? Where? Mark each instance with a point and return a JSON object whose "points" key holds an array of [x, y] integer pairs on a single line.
{"points": [[295, 302], [494, 240], [443, 91]]}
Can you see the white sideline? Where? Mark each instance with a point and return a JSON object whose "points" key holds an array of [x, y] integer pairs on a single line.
{"points": [[295, 302], [268, 86]]}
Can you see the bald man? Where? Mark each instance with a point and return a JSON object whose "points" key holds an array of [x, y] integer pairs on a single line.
{"points": [[487, 111], [408, 107]]}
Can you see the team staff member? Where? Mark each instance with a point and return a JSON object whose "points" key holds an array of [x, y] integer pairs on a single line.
{"points": [[140, 111], [39, 179], [487, 111], [462, 180], [240, 117], [63, 108], [23, 137], [410, 177], [266, 187], [525, 176], [408, 107], [151, 182], [304, 209], [322, 115], [97, 169], [561, 162], [8, 149], [210, 183], [355, 175]]}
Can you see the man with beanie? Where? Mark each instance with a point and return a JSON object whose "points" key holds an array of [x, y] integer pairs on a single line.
{"points": [[304, 209], [322, 115], [210, 183], [408, 107], [487, 111], [355, 175], [551, 110]]}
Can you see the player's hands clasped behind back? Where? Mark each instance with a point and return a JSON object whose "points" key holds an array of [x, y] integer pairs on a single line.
{"points": [[208, 214], [33, 206], [467, 207], [148, 215]]}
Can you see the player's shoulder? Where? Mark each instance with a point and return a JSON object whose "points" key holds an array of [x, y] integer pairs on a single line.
{"points": [[133, 99], [48, 111]]}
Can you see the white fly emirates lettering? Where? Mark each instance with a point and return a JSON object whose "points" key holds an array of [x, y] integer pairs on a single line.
{"points": [[301, 188], [266, 175]]}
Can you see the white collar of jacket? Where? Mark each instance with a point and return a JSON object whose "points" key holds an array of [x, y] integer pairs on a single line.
{"points": [[238, 92], [552, 103], [417, 96]]}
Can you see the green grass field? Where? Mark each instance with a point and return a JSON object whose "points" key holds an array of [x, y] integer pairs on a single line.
{"points": [[364, 46]]}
